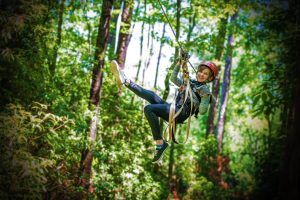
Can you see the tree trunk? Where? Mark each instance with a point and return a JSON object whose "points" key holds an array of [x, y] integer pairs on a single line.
{"points": [[171, 161], [150, 54], [226, 83], [192, 24], [216, 83], [167, 79], [146, 56], [113, 34], [167, 84], [58, 39], [125, 34], [166, 92], [289, 171], [96, 85], [141, 43], [159, 54]]}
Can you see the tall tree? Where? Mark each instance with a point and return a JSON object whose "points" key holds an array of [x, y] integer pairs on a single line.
{"points": [[167, 88], [141, 42], [159, 54], [58, 38], [226, 82], [150, 44], [97, 77], [167, 79], [125, 34], [191, 26], [216, 83], [113, 34], [289, 170]]}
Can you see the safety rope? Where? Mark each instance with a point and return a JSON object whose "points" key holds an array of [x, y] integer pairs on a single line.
{"points": [[188, 91], [178, 42], [173, 114]]}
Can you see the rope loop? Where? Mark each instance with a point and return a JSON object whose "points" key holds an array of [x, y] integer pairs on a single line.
{"points": [[173, 114]]}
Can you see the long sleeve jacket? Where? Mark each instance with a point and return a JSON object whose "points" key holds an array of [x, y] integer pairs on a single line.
{"points": [[199, 89]]}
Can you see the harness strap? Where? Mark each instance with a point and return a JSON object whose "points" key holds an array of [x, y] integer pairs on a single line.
{"points": [[173, 114]]}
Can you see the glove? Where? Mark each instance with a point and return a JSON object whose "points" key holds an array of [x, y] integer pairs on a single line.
{"points": [[185, 56]]}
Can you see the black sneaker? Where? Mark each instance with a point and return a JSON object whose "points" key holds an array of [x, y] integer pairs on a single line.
{"points": [[118, 73], [159, 153]]}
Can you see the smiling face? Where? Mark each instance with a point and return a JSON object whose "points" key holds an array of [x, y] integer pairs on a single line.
{"points": [[204, 74]]}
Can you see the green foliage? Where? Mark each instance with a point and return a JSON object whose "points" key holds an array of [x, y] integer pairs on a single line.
{"points": [[200, 188], [209, 179], [41, 146], [21, 55], [124, 149], [37, 149], [262, 90], [121, 172]]}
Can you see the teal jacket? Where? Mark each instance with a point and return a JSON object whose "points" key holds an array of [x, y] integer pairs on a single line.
{"points": [[199, 89]]}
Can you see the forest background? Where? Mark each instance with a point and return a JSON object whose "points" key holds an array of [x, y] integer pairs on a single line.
{"points": [[67, 132]]}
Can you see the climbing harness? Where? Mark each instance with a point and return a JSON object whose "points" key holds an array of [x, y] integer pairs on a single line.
{"points": [[173, 114], [184, 59]]}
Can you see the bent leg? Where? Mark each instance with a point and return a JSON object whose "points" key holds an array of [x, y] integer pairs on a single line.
{"points": [[152, 113], [148, 95]]}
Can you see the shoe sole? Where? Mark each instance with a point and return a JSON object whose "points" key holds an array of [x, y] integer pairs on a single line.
{"points": [[161, 157], [115, 70]]}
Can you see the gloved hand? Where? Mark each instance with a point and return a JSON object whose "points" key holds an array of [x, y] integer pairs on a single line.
{"points": [[184, 55]]}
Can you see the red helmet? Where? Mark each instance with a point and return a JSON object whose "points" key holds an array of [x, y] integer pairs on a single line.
{"points": [[212, 66]]}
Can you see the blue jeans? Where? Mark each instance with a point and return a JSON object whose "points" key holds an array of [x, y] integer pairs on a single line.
{"points": [[157, 108]]}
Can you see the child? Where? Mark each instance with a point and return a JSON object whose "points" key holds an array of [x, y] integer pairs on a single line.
{"points": [[207, 71]]}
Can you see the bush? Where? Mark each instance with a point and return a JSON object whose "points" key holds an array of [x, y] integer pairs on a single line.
{"points": [[34, 152]]}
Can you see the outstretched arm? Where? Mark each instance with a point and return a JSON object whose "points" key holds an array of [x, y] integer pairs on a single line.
{"points": [[174, 77]]}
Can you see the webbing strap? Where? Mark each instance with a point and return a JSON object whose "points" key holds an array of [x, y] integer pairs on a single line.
{"points": [[173, 114]]}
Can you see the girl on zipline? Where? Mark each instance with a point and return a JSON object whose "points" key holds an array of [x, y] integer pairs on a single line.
{"points": [[201, 95]]}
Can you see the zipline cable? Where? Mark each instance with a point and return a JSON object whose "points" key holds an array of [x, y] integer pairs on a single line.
{"points": [[184, 59], [179, 43]]}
